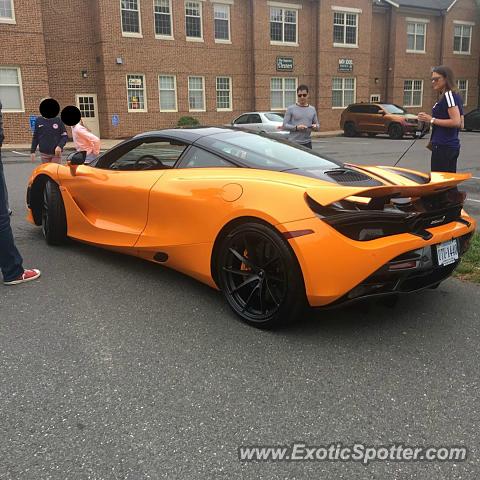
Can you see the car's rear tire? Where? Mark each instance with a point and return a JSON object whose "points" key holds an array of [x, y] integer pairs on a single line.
{"points": [[372, 134], [349, 129], [395, 131], [469, 130], [54, 219], [259, 276]]}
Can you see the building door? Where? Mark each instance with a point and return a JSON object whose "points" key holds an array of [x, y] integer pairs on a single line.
{"points": [[87, 104]]}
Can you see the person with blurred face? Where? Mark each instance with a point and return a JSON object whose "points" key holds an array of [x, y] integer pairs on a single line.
{"points": [[445, 120]]}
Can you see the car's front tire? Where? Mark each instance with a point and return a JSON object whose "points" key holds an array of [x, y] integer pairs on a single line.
{"points": [[54, 219], [259, 276]]}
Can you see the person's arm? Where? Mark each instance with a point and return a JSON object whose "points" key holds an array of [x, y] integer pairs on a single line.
{"points": [[462, 126], [287, 125], [33, 149], [316, 123], [454, 121], [91, 139], [63, 136], [2, 136]]}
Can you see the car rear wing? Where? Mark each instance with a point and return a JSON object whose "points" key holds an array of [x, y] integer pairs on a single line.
{"points": [[440, 182]]}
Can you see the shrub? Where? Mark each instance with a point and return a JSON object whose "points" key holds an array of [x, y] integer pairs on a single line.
{"points": [[187, 122]]}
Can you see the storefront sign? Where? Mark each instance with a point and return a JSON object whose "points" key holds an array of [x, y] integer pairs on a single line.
{"points": [[345, 65], [284, 63]]}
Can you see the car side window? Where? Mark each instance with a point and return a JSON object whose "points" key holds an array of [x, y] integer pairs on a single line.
{"points": [[254, 118], [149, 155], [241, 120], [374, 109], [199, 158]]}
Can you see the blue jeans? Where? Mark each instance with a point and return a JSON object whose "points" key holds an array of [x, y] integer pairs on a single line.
{"points": [[10, 258]]}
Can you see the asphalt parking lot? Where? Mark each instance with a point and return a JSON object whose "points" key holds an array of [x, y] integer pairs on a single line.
{"points": [[115, 368]]}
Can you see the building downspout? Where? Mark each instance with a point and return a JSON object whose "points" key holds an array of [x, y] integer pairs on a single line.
{"points": [[387, 76], [317, 52], [442, 37], [253, 66]]}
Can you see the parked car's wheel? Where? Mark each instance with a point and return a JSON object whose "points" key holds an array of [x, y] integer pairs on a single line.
{"points": [[469, 130], [372, 134], [54, 220], [395, 131], [259, 276], [349, 129]]}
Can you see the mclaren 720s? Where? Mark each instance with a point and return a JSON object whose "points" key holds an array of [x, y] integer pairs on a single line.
{"points": [[273, 226]]}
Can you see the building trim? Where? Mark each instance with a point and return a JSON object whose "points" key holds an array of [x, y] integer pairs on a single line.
{"points": [[295, 6], [336, 8]]}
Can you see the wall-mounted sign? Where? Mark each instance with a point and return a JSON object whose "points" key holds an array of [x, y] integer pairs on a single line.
{"points": [[345, 65], [284, 63], [134, 82], [115, 120], [33, 118]]}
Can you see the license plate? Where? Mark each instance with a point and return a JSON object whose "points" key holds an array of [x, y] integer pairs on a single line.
{"points": [[447, 253]]}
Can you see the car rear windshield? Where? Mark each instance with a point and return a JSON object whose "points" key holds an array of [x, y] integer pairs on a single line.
{"points": [[395, 109], [256, 151], [275, 117]]}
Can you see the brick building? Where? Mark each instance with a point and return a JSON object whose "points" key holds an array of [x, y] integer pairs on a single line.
{"points": [[136, 65]]}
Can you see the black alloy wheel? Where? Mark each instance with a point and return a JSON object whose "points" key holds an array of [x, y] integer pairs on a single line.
{"points": [[260, 276]]}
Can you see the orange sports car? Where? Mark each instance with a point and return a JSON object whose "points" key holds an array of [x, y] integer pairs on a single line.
{"points": [[272, 225]]}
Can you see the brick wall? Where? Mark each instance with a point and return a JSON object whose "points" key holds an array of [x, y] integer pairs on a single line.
{"points": [[23, 47]]}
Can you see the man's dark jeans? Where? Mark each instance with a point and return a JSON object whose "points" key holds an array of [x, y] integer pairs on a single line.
{"points": [[10, 259]]}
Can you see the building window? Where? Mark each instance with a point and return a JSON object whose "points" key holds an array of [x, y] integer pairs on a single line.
{"points": [[167, 86], [412, 93], [193, 20], [416, 37], [130, 17], [345, 29], [283, 92], [163, 18], [7, 14], [136, 93], [196, 94], [283, 25], [224, 93], [11, 92], [221, 15], [343, 92], [462, 38], [462, 86]]}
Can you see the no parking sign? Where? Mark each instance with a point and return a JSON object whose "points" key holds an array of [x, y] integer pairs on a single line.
{"points": [[115, 120], [33, 118]]}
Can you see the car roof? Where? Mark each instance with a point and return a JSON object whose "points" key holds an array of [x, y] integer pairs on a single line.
{"points": [[187, 134]]}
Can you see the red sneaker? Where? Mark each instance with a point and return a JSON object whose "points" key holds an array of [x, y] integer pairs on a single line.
{"points": [[26, 276]]}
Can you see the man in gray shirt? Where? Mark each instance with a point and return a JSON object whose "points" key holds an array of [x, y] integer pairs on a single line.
{"points": [[300, 119]]}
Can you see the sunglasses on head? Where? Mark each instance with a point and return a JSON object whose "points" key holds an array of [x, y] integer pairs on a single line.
{"points": [[302, 94], [436, 79]]}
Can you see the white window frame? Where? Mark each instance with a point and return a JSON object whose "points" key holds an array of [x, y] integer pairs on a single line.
{"points": [[229, 94], [132, 34], [344, 105], [227, 5], [283, 7], [160, 93], [200, 5], [284, 107], [164, 37], [463, 24], [137, 110], [347, 11], [464, 98], [20, 85], [375, 98], [412, 90], [417, 21], [10, 20], [204, 109]]}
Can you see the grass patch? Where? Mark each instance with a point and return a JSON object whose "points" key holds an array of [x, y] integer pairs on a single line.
{"points": [[469, 268]]}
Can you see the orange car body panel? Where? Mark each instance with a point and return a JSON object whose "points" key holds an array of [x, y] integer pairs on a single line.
{"points": [[180, 212]]}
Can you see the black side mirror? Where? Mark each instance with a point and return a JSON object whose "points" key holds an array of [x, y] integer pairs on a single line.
{"points": [[77, 158]]}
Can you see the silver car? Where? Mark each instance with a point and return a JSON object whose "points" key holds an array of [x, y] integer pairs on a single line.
{"points": [[262, 122]]}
